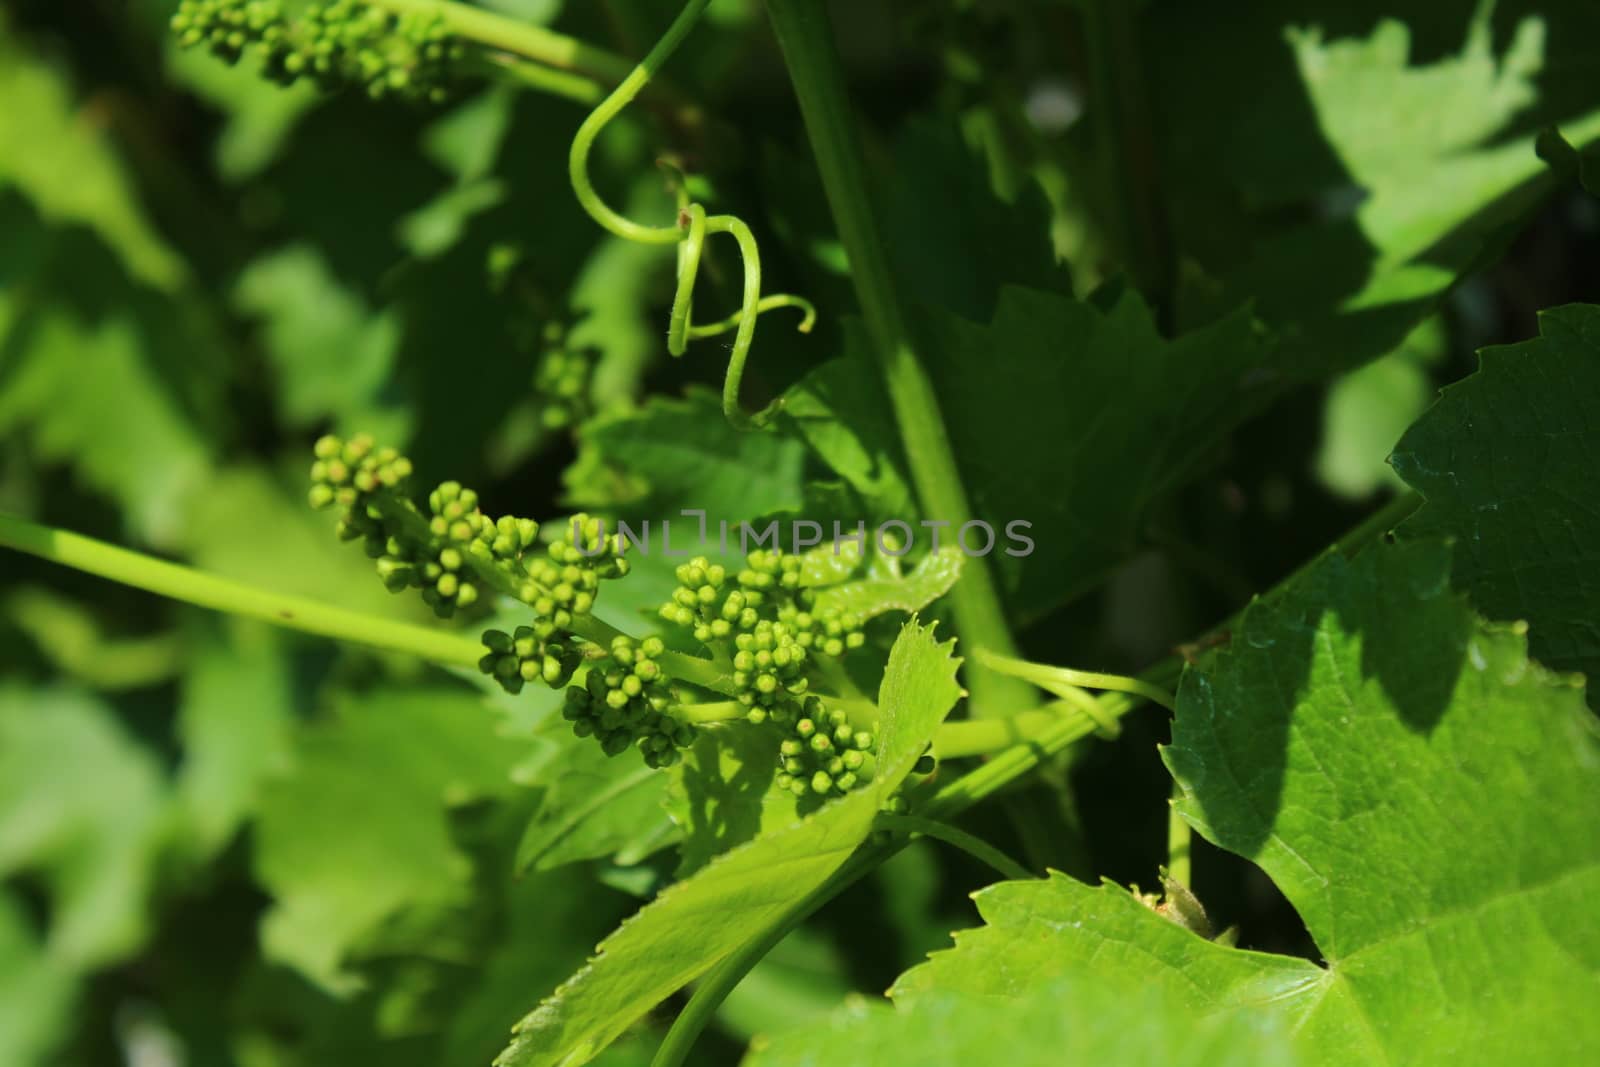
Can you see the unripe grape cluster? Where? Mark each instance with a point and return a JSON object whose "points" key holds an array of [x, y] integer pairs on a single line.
{"points": [[564, 581], [368, 484], [454, 552], [411, 54], [764, 628], [824, 755], [768, 622], [626, 703], [539, 653], [716, 605]]}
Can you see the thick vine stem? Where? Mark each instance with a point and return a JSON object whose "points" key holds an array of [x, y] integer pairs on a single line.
{"points": [[209, 591], [689, 232], [806, 38]]}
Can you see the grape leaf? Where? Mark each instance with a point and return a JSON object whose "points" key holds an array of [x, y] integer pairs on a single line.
{"points": [[356, 832], [799, 982], [1065, 1022], [1368, 409], [84, 807], [1007, 390], [69, 634], [955, 243], [590, 804], [1401, 143], [721, 794], [36, 992], [673, 454], [236, 721], [885, 588], [67, 166], [1507, 462], [260, 115], [842, 413], [1044, 366], [144, 450], [1352, 739], [692, 926], [334, 356]]}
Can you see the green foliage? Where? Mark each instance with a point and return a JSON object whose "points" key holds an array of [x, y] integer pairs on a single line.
{"points": [[674, 454], [1113, 314], [745, 892], [589, 805], [1325, 743], [1048, 1024], [69, 169], [385, 770], [1408, 133], [1045, 361], [83, 808], [1506, 463]]}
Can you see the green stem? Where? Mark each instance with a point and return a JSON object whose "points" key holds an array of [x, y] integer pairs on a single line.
{"points": [[525, 39], [1179, 841], [630, 84], [717, 711], [220, 594], [1066, 681], [309, 616], [1009, 765], [688, 231], [975, 847], [981, 737], [545, 79], [806, 38]]}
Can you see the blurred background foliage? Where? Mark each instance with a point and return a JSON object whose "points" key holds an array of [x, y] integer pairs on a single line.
{"points": [[221, 844]]}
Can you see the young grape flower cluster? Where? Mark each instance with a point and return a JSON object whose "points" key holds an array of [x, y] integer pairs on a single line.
{"points": [[825, 755], [335, 42], [453, 551], [626, 703], [767, 623], [770, 640]]}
